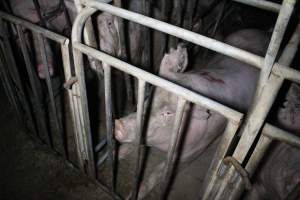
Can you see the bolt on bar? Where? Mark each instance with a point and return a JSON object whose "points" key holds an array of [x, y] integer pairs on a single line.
{"points": [[266, 5], [138, 136], [173, 147], [109, 121], [58, 128], [209, 43], [29, 68]]}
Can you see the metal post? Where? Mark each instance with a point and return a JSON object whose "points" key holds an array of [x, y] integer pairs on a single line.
{"points": [[173, 147], [138, 137], [263, 4], [265, 96], [109, 121], [58, 127], [40, 118]]}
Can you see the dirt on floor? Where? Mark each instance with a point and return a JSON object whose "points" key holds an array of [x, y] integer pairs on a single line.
{"points": [[31, 170]]}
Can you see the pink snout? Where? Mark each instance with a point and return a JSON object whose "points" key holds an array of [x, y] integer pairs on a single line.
{"points": [[41, 70]]}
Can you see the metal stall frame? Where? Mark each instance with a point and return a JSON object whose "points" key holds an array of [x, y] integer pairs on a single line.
{"points": [[270, 73]]}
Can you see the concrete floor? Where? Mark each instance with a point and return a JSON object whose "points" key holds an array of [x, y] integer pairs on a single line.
{"points": [[31, 170]]}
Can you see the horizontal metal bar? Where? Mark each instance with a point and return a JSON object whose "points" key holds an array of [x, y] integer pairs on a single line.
{"points": [[266, 5], [49, 34], [281, 135], [157, 81], [178, 32], [209, 43]]}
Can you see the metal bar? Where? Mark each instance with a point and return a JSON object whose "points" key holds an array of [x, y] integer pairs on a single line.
{"points": [[58, 128], [138, 136], [100, 145], [109, 121], [173, 147], [29, 67], [7, 84], [101, 160], [277, 36], [275, 133], [157, 81], [72, 96], [49, 34], [217, 168], [266, 95], [85, 139], [266, 5], [257, 155], [212, 44], [89, 34], [178, 32]]}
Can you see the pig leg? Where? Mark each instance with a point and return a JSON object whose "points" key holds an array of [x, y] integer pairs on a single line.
{"points": [[39, 62]]}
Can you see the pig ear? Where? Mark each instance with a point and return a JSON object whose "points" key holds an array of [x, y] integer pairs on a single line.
{"points": [[182, 58]]}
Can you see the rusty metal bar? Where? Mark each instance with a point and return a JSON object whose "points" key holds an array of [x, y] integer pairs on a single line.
{"points": [[29, 67], [41, 42], [138, 136], [266, 5], [109, 121], [173, 147]]}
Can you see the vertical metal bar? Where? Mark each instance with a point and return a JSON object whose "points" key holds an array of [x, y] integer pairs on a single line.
{"points": [[173, 147], [9, 56], [277, 36], [72, 96], [58, 127], [265, 96], [257, 155], [84, 137], [138, 136], [29, 67], [109, 121], [217, 169], [7, 84]]}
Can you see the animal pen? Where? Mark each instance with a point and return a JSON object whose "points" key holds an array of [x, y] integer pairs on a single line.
{"points": [[230, 172]]}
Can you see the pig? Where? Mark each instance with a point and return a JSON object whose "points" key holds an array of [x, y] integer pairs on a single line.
{"points": [[224, 79], [279, 174], [57, 23]]}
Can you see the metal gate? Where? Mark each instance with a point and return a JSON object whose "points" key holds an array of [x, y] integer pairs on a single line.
{"points": [[226, 169]]}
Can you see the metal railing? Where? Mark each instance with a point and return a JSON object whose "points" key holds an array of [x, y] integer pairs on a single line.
{"points": [[272, 76], [270, 70]]}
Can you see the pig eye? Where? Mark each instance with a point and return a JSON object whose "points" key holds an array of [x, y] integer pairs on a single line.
{"points": [[109, 23]]}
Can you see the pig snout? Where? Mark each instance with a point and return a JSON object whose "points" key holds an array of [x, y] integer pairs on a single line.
{"points": [[124, 130], [41, 69]]}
